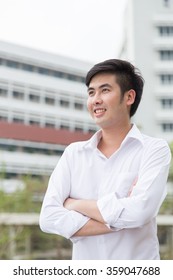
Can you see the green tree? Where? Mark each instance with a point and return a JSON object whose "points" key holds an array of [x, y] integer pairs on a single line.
{"points": [[42, 245], [27, 200]]}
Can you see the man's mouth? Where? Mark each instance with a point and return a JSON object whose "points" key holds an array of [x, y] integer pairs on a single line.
{"points": [[99, 110]]}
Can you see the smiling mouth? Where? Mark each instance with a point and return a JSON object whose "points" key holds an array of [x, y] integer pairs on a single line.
{"points": [[99, 111]]}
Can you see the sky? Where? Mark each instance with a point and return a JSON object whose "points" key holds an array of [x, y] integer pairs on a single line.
{"points": [[90, 30]]}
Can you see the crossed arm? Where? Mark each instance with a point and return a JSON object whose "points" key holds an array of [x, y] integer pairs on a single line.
{"points": [[96, 224], [127, 212]]}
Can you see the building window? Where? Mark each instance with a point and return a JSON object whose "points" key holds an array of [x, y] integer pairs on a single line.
{"points": [[166, 79], [3, 118], [49, 124], [12, 64], [165, 30], [34, 122], [3, 92], [56, 74], [49, 100], [166, 55], [18, 94], [92, 130], [41, 70], [34, 98], [77, 128], [78, 106], [64, 103], [167, 103], [18, 120], [27, 67], [64, 126], [3, 115], [167, 127]]}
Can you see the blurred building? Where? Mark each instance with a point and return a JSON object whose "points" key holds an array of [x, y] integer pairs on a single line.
{"points": [[42, 109], [148, 43]]}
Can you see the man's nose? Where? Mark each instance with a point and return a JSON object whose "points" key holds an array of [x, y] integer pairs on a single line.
{"points": [[97, 99]]}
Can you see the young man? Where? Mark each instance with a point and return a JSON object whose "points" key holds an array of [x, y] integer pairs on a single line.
{"points": [[105, 193]]}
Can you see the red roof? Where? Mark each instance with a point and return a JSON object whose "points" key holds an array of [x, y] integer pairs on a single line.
{"points": [[38, 134]]}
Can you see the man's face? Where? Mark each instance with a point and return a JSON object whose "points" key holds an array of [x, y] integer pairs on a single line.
{"points": [[105, 102]]}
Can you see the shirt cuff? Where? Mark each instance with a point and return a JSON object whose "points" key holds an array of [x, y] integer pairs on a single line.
{"points": [[110, 208], [70, 223]]}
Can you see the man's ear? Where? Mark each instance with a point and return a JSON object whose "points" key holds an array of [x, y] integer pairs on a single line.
{"points": [[130, 96]]}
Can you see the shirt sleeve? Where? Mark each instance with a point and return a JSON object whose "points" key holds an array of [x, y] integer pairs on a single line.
{"points": [[54, 218], [144, 200]]}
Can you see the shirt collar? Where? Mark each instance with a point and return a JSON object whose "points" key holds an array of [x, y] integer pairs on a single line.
{"points": [[94, 140], [133, 133]]}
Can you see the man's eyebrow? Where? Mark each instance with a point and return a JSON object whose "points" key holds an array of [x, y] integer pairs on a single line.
{"points": [[101, 86], [105, 85], [90, 88]]}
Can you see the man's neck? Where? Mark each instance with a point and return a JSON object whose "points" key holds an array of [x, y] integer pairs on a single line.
{"points": [[112, 139]]}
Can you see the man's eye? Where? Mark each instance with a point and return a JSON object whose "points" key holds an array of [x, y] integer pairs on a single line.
{"points": [[105, 90], [91, 93]]}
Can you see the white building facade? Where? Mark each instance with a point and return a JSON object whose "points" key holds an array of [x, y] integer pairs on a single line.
{"points": [[148, 43], [42, 108]]}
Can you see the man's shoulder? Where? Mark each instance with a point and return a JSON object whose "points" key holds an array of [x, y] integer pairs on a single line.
{"points": [[156, 148], [76, 146], [156, 145], [148, 140]]}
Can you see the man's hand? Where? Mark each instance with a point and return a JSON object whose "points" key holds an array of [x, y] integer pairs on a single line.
{"points": [[96, 224], [86, 207]]}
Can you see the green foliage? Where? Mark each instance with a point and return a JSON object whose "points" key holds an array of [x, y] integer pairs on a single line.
{"points": [[166, 207], [27, 200], [31, 243], [41, 245]]}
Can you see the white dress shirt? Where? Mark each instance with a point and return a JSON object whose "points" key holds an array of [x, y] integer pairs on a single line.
{"points": [[129, 187]]}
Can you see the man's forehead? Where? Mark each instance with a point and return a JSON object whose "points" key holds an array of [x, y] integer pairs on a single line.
{"points": [[103, 78]]}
